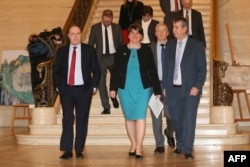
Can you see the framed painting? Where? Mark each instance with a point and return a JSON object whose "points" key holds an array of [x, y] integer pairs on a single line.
{"points": [[15, 78]]}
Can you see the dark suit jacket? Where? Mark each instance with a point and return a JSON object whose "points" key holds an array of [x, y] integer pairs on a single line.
{"points": [[153, 47], [148, 70], [197, 25], [193, 66], [151, 29], [95, 37], [135, 12], [165, 6], [90, 67]]}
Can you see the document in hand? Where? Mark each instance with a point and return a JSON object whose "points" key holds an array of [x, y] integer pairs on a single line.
{"points": [[155, 105]]}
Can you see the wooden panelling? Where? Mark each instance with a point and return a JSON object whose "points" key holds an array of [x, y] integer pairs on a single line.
{"points": [[20, 18]]}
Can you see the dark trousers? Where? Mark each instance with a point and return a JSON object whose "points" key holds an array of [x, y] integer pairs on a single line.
{"points": [[157, 124], [78, 98], [183, 110], [105, 64]]}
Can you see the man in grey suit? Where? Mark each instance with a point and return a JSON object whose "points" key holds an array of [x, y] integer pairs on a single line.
{"points": [[158, 48], [184, 73], [107, 37]]}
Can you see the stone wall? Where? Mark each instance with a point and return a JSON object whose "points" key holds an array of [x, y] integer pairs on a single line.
{"points": [[235, 13]]}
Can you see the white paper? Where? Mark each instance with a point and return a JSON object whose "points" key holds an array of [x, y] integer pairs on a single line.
{"points": [[155, 105]]}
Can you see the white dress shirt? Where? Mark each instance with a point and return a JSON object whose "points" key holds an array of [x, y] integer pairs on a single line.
{"points": [[172, 5], [145, 26], [189, 21], [78, 65], [111, 41]]}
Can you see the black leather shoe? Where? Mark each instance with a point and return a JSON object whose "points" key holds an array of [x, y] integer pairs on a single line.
{"points": [[115, 102], [66, 155], [177, 151], [106, 111], [131, 153], [138, 156], [170, 140], [159, 150], [79, 155], [189, 156]]}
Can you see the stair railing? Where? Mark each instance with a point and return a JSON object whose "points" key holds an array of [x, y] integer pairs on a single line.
{"points": [[44, 93]]}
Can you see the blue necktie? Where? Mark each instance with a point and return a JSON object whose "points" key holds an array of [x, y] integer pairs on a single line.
{"points": [[159, 65], [177, 61]]}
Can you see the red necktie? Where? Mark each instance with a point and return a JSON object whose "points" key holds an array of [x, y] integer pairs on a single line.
{"points": [[176, 5], [72, 68]]}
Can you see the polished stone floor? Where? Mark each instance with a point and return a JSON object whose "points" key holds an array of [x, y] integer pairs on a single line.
{"points": [[13, 155]]}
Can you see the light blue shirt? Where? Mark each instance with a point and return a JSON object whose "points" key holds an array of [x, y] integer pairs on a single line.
{"points": [[178, 81], [159, 61]]}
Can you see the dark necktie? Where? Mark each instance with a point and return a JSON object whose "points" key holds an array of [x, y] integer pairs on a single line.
{"points": [[176, 5], [72, 68], [159, 65], [187, 18], [106, 41]]}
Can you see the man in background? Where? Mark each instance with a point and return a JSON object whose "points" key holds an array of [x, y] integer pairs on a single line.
{"points": [[169, 7], [194, 18], [158, 49], [107, 37]]}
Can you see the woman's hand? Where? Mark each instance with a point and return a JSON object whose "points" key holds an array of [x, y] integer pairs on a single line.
{"points": [[158, 97], [164, 93], [112, 94]]}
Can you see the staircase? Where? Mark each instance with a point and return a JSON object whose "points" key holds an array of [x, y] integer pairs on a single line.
{"points": [[110, 129]]}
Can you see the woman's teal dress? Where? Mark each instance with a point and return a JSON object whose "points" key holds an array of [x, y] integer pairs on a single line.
{"points": [[134, 98]]}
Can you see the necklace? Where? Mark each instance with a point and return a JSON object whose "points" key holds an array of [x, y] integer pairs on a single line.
{"points": [[130, 13]]}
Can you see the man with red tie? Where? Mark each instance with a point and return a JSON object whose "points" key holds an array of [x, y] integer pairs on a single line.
{"points": [[76, 76], [169, 7]]}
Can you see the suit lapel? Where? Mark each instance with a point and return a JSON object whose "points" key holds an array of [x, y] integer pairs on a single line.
{"points": [[186, 50]]}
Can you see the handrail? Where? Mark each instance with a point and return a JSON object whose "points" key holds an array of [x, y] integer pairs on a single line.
{"points": [[78, 15], [89, 19]]}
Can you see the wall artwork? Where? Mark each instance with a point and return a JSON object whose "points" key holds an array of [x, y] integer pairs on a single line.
{"points": [[15, 78]]}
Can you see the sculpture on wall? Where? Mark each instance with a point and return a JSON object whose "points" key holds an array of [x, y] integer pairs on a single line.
{"points": [[222, 92]]}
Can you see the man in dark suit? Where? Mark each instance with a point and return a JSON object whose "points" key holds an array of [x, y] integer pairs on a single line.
{"points": [[158, 48], [169, 7], [106, 52], [148, 25], [183, 77], [76, 76], [195, 28]]}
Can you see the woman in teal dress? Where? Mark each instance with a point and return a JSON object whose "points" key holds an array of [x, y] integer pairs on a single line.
{"points": [[133, 75]]}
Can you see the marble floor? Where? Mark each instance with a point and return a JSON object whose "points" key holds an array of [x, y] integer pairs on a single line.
{"points": [[13, 155]]}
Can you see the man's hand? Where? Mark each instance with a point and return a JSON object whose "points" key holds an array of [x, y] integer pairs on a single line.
{"points": [[194, 91]]}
